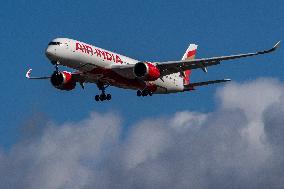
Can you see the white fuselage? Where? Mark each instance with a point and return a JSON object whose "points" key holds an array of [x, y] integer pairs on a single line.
{"points": [[97, 63]]}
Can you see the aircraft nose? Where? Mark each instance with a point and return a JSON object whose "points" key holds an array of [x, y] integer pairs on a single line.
{"points": [[50, 52]]}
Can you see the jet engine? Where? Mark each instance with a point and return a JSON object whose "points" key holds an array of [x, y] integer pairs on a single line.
{"points": [[62, 80], [146, 71]]}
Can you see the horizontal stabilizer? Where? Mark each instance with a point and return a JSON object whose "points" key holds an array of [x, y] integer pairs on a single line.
{"points": [[192, 85]]}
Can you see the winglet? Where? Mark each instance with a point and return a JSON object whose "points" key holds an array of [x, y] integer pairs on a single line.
{"points": [[277, 45], [28, 74]]}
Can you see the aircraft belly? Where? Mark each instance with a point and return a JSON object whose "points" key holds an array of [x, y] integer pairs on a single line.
{"points": [[167, 86], [108, 76]]}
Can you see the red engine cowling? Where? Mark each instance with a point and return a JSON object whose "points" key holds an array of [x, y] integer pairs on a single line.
{"points": [[146, 71], [63, 80]]}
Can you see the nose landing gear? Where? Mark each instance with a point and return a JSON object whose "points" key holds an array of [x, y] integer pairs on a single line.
{"points": [[56, 64]]}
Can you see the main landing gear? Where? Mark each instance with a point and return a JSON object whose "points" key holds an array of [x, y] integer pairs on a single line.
{"points": [[103, 96], [144, 92]]}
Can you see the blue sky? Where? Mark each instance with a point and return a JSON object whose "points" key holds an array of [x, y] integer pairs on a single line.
{"points": [[146, 30]]}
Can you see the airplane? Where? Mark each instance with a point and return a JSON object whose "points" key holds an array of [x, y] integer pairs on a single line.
{"points": [[106, 68]]}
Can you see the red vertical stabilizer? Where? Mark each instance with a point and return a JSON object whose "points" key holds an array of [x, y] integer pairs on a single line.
{"points": [[188, 55]]}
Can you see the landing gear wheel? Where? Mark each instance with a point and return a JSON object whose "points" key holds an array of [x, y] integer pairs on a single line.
{"points": [[108, 97], [97, 97], [102, 97], [145, 93], [139, 93]]}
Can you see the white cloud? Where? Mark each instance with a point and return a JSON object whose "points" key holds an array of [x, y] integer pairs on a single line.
{"points": [[145, 142], [253, 97], [187, 120], [239, 145]]}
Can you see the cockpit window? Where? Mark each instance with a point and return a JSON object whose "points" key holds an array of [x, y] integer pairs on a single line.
{"points": [[54, 43]]}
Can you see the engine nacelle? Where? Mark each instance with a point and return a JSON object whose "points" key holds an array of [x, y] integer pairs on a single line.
{"points": [[62, 80], [146, 71]]}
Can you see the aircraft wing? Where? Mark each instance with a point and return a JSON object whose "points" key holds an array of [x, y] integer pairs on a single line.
{"points": [[77, 76], [29, 72], [170, 67], [124, 70]]}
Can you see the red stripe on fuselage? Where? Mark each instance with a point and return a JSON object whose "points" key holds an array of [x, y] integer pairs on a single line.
{"points": [[115, 79]]}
